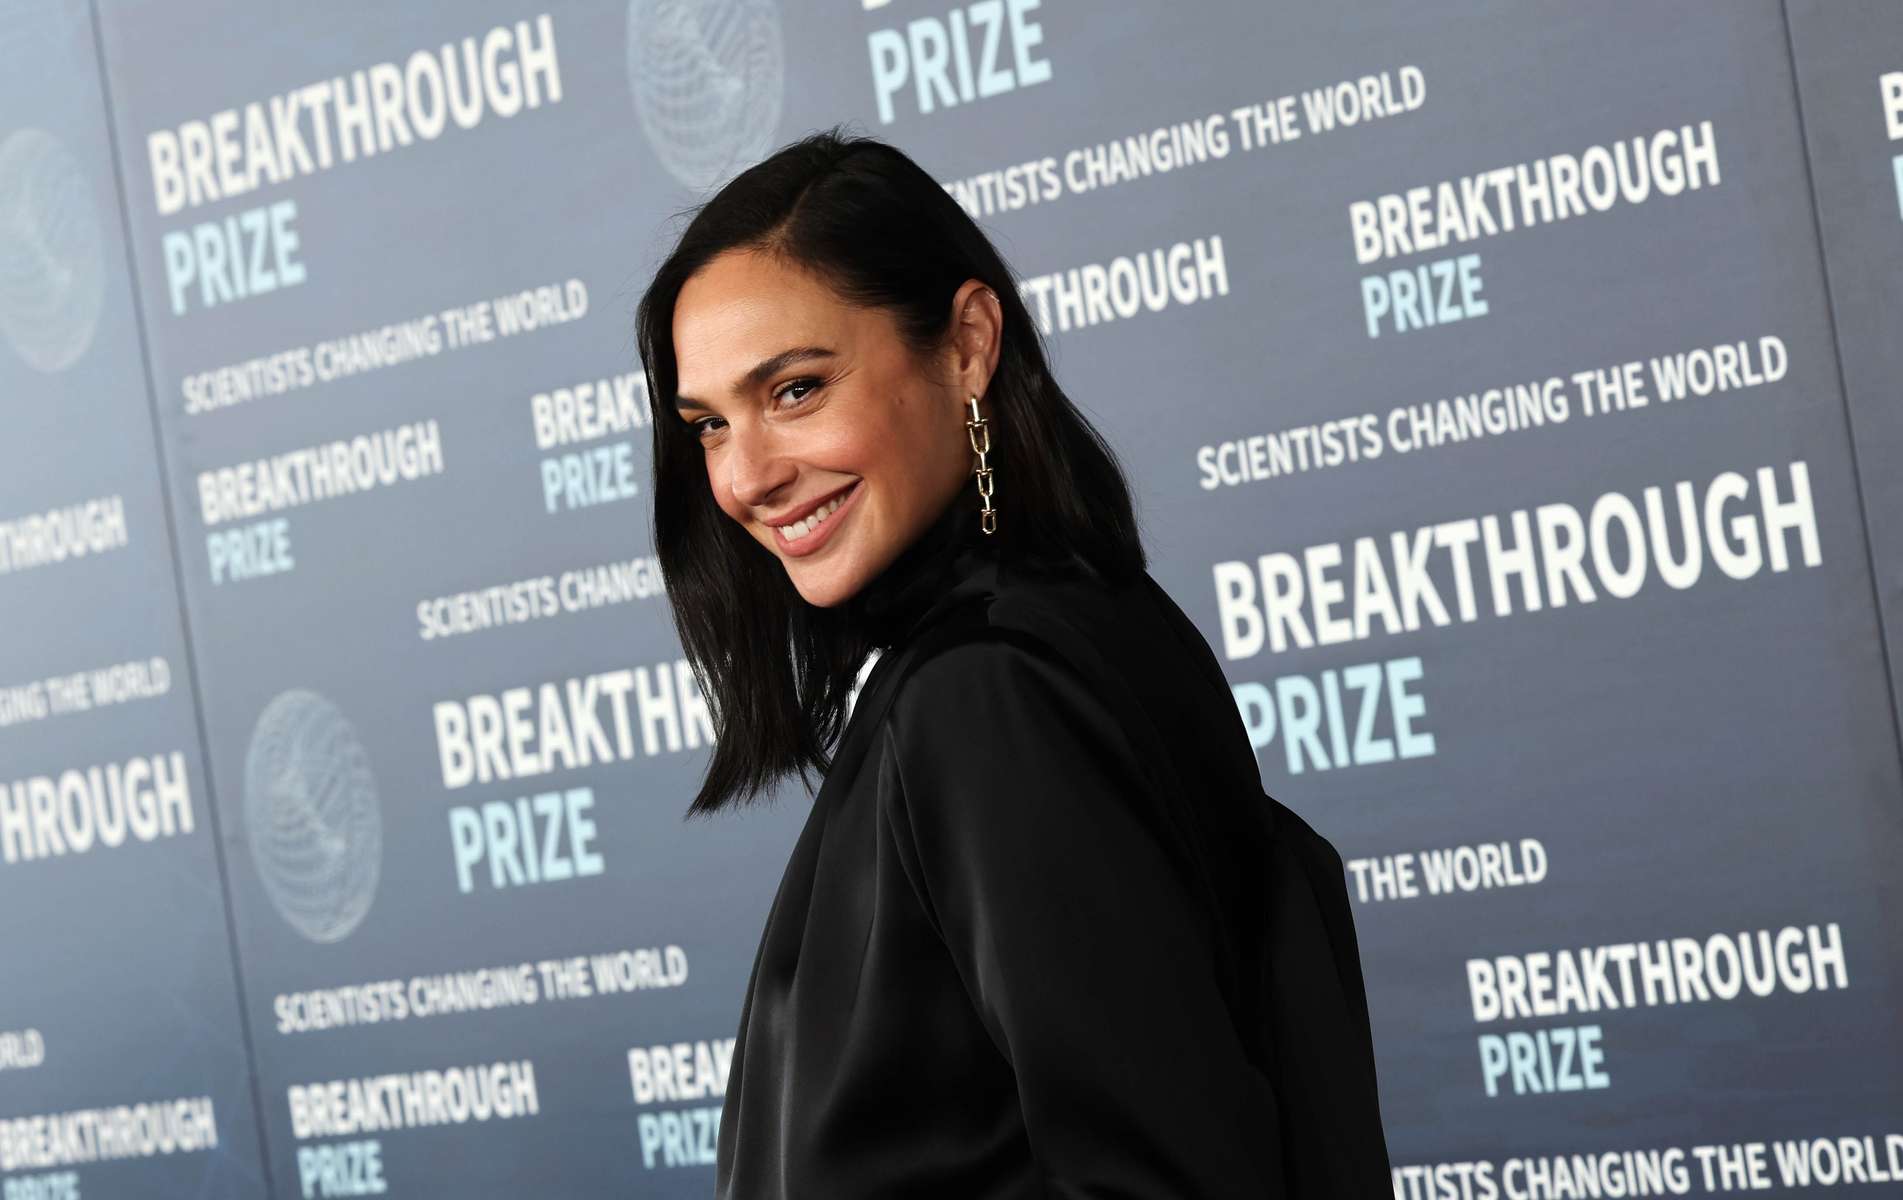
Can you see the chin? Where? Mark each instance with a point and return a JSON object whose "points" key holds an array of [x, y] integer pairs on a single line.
{"points": [[823, 589]]}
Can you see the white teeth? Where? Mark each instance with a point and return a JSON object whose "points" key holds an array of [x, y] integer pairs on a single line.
{"points": [[800, 529]]}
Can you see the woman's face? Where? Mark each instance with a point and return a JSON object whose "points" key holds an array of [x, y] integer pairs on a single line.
{"points": [[812, 413]]}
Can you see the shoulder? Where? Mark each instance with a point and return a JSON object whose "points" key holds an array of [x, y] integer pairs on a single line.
{"points": [[969, 673], [1039, 646], [1000, 747], [1054, 609], [988, 694], [1029, 622], [995, 729]]}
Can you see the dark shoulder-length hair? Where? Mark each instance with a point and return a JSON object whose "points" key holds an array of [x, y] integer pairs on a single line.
{"points": [[859, 214]]}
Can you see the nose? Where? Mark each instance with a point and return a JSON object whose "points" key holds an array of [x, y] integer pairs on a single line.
{"points": [[758, 469]]}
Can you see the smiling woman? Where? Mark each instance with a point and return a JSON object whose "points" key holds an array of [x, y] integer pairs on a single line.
{"points": [[1043, 933], [819, 331]]}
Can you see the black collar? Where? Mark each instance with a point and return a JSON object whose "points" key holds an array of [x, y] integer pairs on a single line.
{"points": [[951, 561]]}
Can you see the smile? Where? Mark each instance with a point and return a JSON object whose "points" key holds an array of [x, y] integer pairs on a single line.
{"points": [[806, 535]]}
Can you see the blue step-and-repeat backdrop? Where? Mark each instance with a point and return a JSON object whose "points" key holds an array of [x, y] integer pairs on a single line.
{"points": [[1511, 393]]}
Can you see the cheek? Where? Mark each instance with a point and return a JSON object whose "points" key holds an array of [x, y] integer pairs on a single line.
{"points": [[847, 432], [930, 441]]}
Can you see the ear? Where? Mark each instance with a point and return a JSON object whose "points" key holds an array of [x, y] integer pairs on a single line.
{"points": [[977, 324]]}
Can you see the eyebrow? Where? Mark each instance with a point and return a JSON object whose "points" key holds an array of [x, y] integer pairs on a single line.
{"points": [[765, 369]]}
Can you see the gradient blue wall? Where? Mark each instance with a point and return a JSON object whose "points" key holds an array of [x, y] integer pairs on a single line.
{"points": [[1509, 393]]}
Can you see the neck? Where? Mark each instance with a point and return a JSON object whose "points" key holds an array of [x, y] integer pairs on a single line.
{"points": [[946, 560]]}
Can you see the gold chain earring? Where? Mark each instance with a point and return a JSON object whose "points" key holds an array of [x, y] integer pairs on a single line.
{"points": [[980, 434]]}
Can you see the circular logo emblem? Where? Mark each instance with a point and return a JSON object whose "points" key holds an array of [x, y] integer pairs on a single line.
{"points": [[52, 262], [312, 815], [707, 77]]}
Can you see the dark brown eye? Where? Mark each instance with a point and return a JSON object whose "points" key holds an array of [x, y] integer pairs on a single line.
{"points": [[789, 385]]}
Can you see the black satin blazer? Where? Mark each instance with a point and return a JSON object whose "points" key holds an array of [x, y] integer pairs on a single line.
{"points": [[1043, 934]]}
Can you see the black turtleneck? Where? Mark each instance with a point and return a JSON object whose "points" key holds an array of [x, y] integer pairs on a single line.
{"points": [[939, 565], [1042, 770]]}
